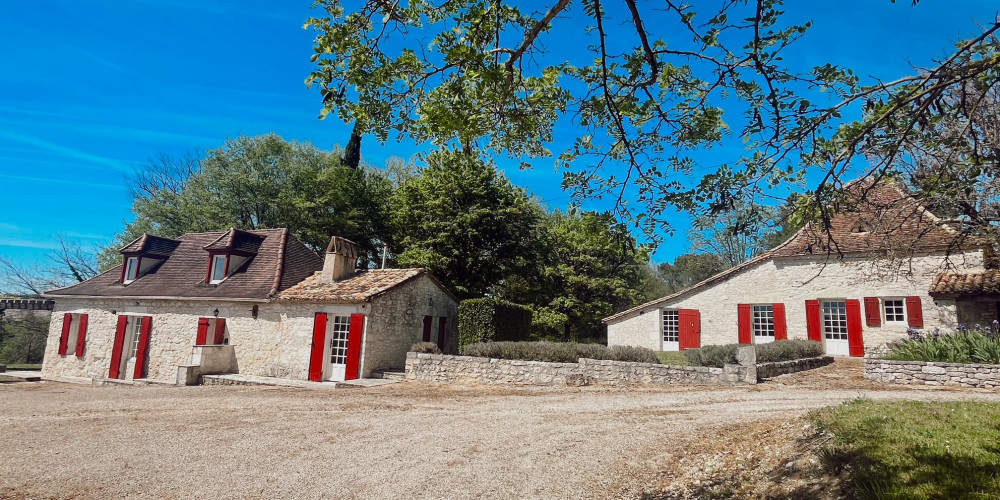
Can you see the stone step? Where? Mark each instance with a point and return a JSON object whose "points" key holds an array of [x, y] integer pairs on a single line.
{"points": [[397, 375], [24, 375]]}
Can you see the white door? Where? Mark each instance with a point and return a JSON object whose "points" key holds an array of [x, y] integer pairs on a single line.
{"points": [[670, 328], [338, 331], [835, 327], [763, 324]]}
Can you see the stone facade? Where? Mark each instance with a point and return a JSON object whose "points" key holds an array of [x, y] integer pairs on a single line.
{"points": [[277, 343], [932, 373], [472, 370], [792, 281]]}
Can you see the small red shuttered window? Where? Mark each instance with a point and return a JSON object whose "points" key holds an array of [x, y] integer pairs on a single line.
{"points": [[914, 312], [73, 335]]}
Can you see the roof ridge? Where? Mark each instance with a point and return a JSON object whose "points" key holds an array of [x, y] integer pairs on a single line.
{"points": [[281, 263]]}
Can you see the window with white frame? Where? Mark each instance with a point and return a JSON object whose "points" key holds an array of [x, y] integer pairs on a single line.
{"points": [[136, 323], [671, 326], [834, 320], [338, 339], [763, 321], [893, 310], [131, 269], [218, 269]]}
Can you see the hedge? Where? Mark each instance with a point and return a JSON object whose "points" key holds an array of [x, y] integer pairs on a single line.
{"points": [[781, 350], [559, 352], [491, 320]]}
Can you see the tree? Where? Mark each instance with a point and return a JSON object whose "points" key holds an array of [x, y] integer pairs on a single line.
{"points": [[463, 221], [477, 75], [590, 266], [735, 235], [260, 182], [69, 263], [689, 269], [24, 337]]}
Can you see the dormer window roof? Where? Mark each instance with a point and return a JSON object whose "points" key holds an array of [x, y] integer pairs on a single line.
{"points": [[143, 255], [230, 253]]}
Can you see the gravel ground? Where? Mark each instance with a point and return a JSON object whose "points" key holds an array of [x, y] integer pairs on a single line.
{"points": [[403, 440]]}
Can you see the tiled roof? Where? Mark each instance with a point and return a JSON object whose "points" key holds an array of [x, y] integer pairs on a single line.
{"points": [[968, 283], [151, 244], [236, 239], [892, 220], [280, 262], [883, 218], [359, 287]]}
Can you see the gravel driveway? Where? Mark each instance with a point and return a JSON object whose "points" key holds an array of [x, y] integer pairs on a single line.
{"points": [[404, 440]]}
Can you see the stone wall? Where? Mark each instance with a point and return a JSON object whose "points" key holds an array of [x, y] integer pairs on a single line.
{"points": [[472, 370], [792, 282], [932, 373], [768, 370]]}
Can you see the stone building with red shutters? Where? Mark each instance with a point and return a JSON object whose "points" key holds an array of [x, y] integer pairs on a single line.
{"points": [[251, 302], [884, 266]]}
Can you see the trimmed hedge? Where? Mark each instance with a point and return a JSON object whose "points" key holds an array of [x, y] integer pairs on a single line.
{"points": [[782, 350], [426, 348], [492, 320], [559, 352]]}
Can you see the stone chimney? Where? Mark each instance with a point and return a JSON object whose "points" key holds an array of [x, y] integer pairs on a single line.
{"points": [[341, 258]]}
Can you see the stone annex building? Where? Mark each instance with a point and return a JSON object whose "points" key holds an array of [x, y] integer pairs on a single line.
{"points": [[884, 266], [251, 302]]}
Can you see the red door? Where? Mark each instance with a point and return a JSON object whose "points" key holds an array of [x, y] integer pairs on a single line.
{"points": [[689, 329], [354, 337]]}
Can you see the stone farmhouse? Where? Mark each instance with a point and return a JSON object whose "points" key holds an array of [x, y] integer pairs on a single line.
{"points": [[251, 302], [885, 264]]}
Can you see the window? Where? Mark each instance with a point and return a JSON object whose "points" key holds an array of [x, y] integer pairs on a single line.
{"points": [[218, 271], [136, 322], [131, 269], [338, 340], [893, 310], [834, 320], [671, 326], [763, 322]]}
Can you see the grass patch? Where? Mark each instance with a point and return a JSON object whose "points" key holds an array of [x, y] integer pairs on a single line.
{"points": [[913, 449], [24, 367], [672, 358], [4, 378]]}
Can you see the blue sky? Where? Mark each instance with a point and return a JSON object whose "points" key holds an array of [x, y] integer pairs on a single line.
{"points": [[90, 89]]}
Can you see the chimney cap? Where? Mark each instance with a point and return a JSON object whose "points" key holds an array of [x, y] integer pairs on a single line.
{"points": [[342, 246]]}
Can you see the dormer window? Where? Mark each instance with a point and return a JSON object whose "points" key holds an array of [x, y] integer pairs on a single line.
{"points": [[219, 270], [131, 269]]}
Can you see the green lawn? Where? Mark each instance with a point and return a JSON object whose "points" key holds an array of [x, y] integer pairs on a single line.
{"points": [[24, 367], [915, 450], [672, 358]]}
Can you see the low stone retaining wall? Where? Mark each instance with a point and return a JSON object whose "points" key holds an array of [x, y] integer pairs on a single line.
{"points": [[932, 373], [467, 369], [768, 370]]}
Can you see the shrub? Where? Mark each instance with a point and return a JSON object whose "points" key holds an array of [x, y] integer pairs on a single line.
{"points": [[426, 348], [712, 355], [559, 352], [492, 320], [782, 350], [978, 345], [547, 325], [787, 350]]}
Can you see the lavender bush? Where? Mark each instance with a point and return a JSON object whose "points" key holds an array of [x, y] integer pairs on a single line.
{"points": [[978, 344]]}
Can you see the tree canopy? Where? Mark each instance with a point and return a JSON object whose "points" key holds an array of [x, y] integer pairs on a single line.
{"points": [[642, 97]]}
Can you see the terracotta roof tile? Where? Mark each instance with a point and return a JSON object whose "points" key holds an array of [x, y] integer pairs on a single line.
{"points": [[968, 283], [236, 239], [151, 244], [359, 287], [183, 273]]}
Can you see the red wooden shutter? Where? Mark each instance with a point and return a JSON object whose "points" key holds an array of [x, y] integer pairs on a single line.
{"points": [[689, 329], [855, 342], [318, 348], [357, 330], [220, 330], [743, 323], [143, 352], [442, 332], [202, 337], [81, 335], [780, 327], [116, 349], [873, 315], [64, 338], [813, 329], [427, 328], [914, 312]]}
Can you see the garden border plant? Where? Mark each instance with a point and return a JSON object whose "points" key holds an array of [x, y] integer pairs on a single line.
{"points": [[966, 345], [559, 352]]}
